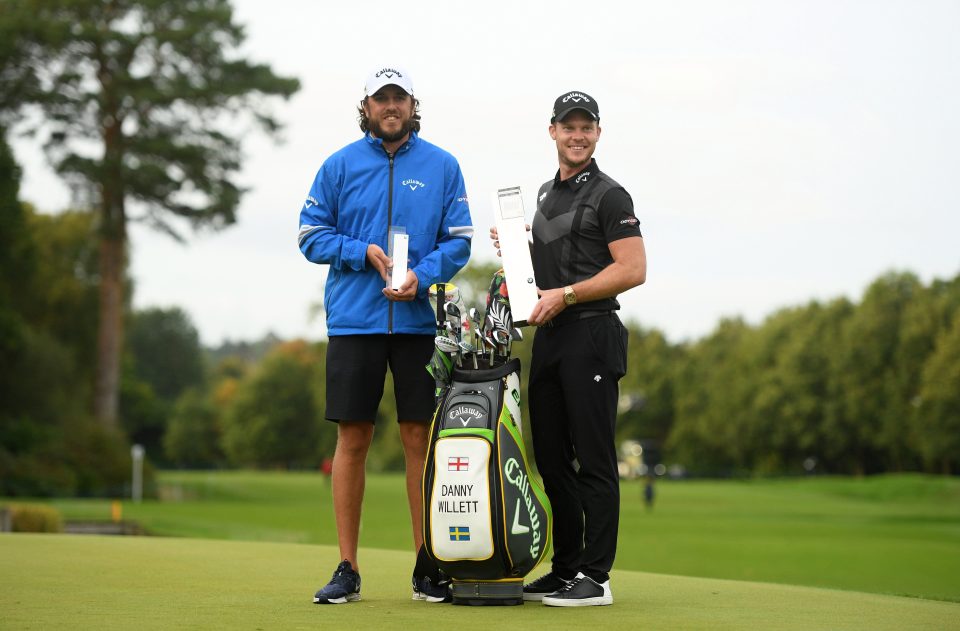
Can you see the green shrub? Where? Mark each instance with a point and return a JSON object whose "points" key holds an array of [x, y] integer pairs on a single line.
{"points": [[35, 474], [35, 518], [79, 459], [100, 458]]}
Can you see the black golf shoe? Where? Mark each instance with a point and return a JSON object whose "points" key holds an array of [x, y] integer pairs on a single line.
{"points": [[543, 586], [582, 591]]}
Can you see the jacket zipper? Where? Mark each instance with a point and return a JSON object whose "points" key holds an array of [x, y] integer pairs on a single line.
{"points": [[390, 223]]}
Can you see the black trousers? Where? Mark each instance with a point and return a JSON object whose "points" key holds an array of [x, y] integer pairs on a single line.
{"points": [[573, 394]]}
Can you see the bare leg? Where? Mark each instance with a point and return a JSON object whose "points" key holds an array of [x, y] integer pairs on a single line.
{"points": [[414, 436], [349, 480]]}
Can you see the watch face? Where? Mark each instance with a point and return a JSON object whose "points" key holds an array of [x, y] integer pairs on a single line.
{"points": [[569, 297]]}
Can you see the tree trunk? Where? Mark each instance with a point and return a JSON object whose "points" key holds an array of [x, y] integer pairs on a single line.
{"points": [[113, 259], [110, 331]]}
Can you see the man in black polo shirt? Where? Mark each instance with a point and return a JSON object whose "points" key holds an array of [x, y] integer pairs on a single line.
{"points": [[587, 248]]}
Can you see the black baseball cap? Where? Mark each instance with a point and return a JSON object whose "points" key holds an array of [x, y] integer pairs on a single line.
{"points": [[570, 101]]}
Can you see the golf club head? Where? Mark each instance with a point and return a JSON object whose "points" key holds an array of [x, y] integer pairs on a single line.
{"points": [[502, 338], [452, 312], [473, 317], [446, 345]]}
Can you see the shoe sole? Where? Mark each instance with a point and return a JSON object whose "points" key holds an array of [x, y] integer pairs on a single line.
{"points": [[533, 597], [349, 598], [578, 602]]}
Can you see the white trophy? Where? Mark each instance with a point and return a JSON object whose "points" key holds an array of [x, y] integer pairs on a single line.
{"points": [[398, 252], [515, 252]]}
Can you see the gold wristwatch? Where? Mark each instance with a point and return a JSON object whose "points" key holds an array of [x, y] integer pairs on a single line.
{"points": [[569, 296]]}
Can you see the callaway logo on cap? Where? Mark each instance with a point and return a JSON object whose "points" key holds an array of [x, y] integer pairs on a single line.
{"points": [[575, 100], [389, 75]]}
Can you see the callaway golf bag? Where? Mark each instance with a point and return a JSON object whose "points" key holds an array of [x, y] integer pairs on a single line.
{"points": [[486, 522]]}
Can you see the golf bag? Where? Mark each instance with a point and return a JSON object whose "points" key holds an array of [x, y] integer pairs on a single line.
{"points": [[486, 522]]}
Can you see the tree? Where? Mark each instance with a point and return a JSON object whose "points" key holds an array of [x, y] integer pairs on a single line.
{"points": [[713, 391], [876, 410], [647, 390], [51, 312], [141, 101], [48, 445], [938, 406], [193, 434], [275, 420], [166, 350], [17, 253], [791, 395], [163, 359]]}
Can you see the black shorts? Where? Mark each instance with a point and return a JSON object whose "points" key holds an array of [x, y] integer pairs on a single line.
{"points": [[357, 367]]}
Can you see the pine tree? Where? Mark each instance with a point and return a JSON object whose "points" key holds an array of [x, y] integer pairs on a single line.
{"points": [[141, 105]]}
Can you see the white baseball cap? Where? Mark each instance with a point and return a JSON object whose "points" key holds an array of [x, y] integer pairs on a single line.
{"points": [[389, 75]]}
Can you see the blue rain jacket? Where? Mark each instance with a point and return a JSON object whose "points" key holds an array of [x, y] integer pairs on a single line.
{"points": [[358, 193]]}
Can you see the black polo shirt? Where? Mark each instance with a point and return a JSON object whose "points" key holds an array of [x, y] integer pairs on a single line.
{"points": [[575, 221]]}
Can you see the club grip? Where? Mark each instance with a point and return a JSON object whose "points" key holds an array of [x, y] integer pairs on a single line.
{"points": [[441, 293]]}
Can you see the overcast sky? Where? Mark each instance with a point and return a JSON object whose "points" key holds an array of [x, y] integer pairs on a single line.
{"points": [[776, 152]]}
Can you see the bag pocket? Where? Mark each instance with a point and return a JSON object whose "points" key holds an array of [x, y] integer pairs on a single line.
{"points": [[461, 524]]}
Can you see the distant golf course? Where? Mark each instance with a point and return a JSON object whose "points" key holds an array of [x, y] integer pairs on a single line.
{"points": [[880, 539]]}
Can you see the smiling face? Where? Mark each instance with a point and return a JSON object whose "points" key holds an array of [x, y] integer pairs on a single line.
{"points": [[390, 114], [576, 137]]}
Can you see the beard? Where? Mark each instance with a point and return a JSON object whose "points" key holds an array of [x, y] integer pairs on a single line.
{"points": [[377, 130], [576, 162], [574, 165]]}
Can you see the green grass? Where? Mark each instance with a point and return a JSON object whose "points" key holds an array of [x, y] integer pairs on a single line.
{"points": [[106, 583], [896, 535]]}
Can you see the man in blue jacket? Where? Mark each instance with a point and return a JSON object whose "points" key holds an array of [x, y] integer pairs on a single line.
{"points": [[390, 181]]}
